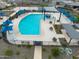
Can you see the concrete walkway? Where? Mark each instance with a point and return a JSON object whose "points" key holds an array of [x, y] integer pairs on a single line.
{"points": [[38, 52]]}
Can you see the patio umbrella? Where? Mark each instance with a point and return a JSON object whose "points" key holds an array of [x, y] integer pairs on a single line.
{"points": [[6, 26]]}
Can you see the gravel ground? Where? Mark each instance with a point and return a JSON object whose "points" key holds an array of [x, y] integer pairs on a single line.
{"points": [[25, 53], [47, 53]]}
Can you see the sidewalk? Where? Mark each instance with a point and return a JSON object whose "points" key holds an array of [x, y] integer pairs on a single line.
{"points": [[38, 52]]}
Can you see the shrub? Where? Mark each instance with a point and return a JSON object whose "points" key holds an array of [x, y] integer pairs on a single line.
{"points": [[77, 17], [19, 45], [77, 20], [17, 53], [43, 49], [55, 52], [8, 52], [29, 46], [49, 57], [74, 57]]}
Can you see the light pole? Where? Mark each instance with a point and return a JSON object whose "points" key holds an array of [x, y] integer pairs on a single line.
{"points": [[43, 11], [44, 15], [60, 16]]}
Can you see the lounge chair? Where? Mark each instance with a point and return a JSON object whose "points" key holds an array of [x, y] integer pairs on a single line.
{"points": [[50, 22], [51, 28]]}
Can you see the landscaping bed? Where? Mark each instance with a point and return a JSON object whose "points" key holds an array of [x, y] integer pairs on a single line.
{"points": [[52, 52], [63, 42], [16, 52], [77, 21], [47, 52], [58, 29]]}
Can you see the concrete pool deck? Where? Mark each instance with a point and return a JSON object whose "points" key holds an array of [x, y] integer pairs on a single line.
{"points": [[44, 30], [46, 35]]}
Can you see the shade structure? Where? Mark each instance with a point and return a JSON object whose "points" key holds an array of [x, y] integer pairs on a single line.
{"points": [[71, 31]]}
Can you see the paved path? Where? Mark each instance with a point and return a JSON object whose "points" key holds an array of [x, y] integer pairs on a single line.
{"points": [[38, 52]]}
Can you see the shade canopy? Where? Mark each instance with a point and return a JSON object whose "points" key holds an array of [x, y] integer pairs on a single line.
{"points": [[71, 31], [71, 3]]}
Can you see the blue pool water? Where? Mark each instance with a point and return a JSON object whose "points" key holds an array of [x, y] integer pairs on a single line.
{"points": [[30, 25]]}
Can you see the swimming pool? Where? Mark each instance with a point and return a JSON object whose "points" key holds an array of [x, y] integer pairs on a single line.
{"points": [[30, 25]]}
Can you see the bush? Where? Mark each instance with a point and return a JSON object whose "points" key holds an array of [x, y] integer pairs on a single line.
{"points": [[55, 52], [9, 52], [19, 45], [58, 29], [74, 57], [77, 17], [77, 20], [29, 46], [17, 53], [43, 49], [49, 57]]}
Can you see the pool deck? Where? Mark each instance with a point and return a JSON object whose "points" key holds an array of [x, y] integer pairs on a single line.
{"points": [[46, 35], [44, 31]]}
